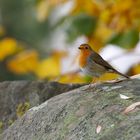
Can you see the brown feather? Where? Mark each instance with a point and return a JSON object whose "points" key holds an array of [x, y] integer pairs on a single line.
{"points": [[99, 60]]}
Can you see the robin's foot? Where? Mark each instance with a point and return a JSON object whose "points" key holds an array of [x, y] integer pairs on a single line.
{"points": [[87, 87], [91, 86]]}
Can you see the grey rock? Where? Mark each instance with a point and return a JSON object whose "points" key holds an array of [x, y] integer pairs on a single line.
{"points": [[75, 115], [12, 94]]}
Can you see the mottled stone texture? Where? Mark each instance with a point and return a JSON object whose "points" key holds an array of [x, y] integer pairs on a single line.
{"points": [[76, 114], [13, 94]]}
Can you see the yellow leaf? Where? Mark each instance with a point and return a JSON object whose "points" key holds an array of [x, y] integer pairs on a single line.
{"points": [[136, 69], [108, 76], [105, 15], [8, 46], [72, 78], [49, 67], [120, 16], [24, 62], [42, 10], [91, 7], [124, 6]]}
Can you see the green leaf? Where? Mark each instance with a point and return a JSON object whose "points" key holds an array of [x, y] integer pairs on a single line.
{"points": [[88, 79], [81, 24], [127, 39]]}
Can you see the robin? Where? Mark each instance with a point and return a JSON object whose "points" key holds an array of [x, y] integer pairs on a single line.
{"points": [[92, 64]]}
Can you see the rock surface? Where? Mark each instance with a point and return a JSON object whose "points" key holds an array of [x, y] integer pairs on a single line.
{"points": [[18, 96], [82, 114]]}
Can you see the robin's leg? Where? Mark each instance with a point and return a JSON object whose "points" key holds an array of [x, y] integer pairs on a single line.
{"points": [[94, 82], [88, 86]]}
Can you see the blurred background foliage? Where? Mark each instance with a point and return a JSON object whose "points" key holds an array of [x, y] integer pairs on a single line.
{"points": [[38, 37]]}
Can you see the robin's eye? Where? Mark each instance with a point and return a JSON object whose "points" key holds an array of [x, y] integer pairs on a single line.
{"points": [[86, 47]]}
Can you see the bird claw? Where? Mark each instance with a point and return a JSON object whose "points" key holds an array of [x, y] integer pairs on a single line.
{"points": [[97, 83], [89, 87]]}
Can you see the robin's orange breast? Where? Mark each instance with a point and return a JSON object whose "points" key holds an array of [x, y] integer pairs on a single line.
{"points": [[83, 58]]}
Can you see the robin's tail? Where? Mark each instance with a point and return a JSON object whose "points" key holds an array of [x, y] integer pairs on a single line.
{"points": [[121, 74]]}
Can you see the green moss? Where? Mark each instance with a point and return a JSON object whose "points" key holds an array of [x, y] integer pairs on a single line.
{"points": [[1, 126], [10, 122], [22, 108]]}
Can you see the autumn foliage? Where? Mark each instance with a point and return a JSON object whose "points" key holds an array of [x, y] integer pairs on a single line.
{"points": [[26, 51]]}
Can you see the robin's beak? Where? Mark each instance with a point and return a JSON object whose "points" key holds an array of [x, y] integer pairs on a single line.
{"points": [[80, 48]]}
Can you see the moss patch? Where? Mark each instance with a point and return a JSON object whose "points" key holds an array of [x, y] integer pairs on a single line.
{"points": [[22, 108]]}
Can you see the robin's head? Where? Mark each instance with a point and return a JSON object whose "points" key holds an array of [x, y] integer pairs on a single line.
{"points": [[85, 48]]}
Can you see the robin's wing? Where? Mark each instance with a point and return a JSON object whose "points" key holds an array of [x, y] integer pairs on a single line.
{"points": [[99, 60]]}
